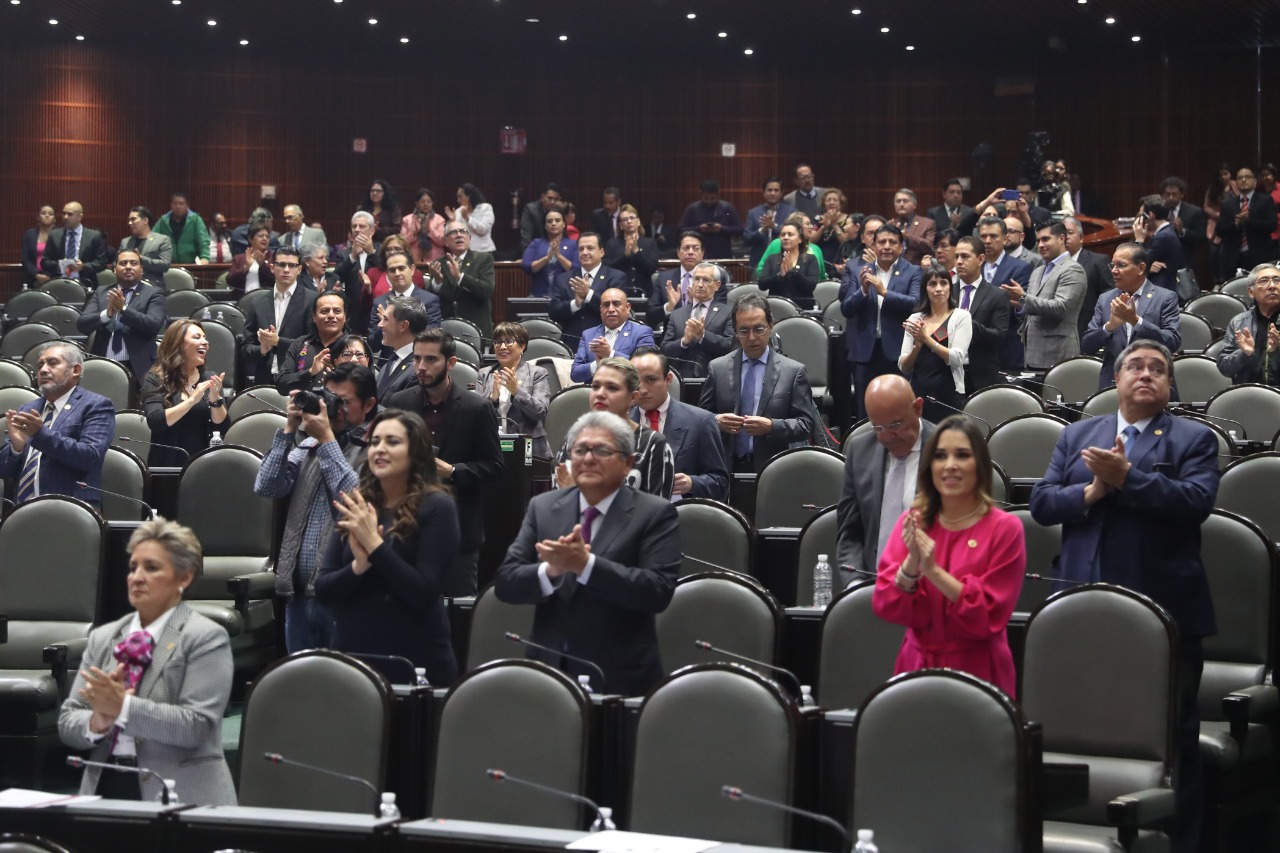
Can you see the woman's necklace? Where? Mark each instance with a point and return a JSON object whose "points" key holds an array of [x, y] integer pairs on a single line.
{"points": [[946, 520]]}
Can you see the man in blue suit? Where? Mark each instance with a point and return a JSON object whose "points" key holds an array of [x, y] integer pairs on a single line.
{"points": [[618, 335], [763, 221], [876, 299], [1131, 491], [60, 439], [1152, 228], [400, 274], [125, 318], [575, 293], [701, 470], [1136, 309], [1000, 268]]}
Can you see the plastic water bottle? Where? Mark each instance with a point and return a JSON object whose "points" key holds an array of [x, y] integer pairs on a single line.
{"points": [[822, 582], [222, 315], [584, 681], [171, 786], [604, 820], [806, 696], [420, 676], [389, 809], [216, 441], [866, 842], [205, 315]]}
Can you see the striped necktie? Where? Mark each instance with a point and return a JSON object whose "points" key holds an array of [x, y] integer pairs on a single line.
{"points": [[31, 468]]}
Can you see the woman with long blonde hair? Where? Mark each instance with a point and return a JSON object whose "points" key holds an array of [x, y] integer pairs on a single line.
{"points": [[181, 399]]}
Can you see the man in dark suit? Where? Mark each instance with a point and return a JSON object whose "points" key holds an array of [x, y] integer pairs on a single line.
{"points": [[533, 214], [763, 221], [1032, 216], [953, 209], [74, 251], [1134, 310], [617, 335], [61, 438], [713, 218], [464, 280], [353, 265], [125, 318], [876, 299], [1131, 491], [918, 232], [400, 321], [999, 267], [275, 318], [1245, 225], [701, 471], [1084, 200], [1151, 228], [671, 290], [240, 234], [600, 560], [762, 400], [604, 219], [632, 253], [989, 308], [889, 454], [465, 428], [1188, 220], [575, 293], [702, 330], [1097, 270], [400, 275]]}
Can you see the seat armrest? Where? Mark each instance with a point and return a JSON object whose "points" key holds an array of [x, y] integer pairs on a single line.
{"points": [[61, 656], [1141, 808], [1258, 703], [253, 586], [4, 628]]}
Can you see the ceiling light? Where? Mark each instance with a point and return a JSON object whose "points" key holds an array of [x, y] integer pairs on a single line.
{"points": [[857, 11], [244, 42], [211, 22], [177, 2], [15, 2], [911, 47], [748, 52], [564, 38], [53, 21], [1136, 38], [404, 40], [1111, 20], [884, 29], [691, 15], [373, 20], [79, 38], [531, 20], [723, 35]]}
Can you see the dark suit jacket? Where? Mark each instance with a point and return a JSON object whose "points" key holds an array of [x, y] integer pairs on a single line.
{"points": [[71, 450], [717, 339], [1146, 535], [348, 272], [470, 297], [1161, 322], [1194, 225], [861, 497], [1257, 227], [1011, 269], [31, 262], [532, 216], [656, 316], [402, 377], [899, 301], [602, 224], [429, 301], [237, 276], [1164, 247], [695, 443], [1097, 281], [785, 397], [575, 322], [144, 318], [991, 312], [330, 281], [92, 251], [631, 335], [638, 267], [610, 619], [942, 222], [260, 313], [468, 440]]}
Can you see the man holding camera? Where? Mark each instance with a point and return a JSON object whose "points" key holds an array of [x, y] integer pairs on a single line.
{"points": [[315, 472]]}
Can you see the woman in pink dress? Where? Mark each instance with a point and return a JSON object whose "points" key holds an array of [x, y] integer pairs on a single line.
{"points": [[953, 566]]}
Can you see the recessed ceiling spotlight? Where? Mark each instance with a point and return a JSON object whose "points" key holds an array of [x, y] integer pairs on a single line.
{"points": [[856, 11], [564, 38], [177, 2], [911, 47], [748, 52], [15, 2], [723, 35], [884, 29], [404, 40], [373, 20], [691, 15], [531, 20], [244, 42], [211, 22], [1136, 38], [53, 21], [1111, 20], [79, 38]]}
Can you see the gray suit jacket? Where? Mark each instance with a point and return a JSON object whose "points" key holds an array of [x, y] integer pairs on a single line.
{"points": [[1051, 311], [176, 715], [785, 397], [309, 237], [156, 253], [858, 513], [528, 412]]}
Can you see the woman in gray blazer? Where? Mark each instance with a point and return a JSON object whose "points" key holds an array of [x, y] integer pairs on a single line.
{"points": [[520, 392], [154, 685]]}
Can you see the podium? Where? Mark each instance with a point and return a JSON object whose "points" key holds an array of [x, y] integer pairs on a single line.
{"points": [[506, 500]]}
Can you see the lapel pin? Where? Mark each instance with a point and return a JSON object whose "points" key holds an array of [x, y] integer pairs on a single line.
{"points": [[1159, 432], [67, 407], [973, 543], [170, 647]]}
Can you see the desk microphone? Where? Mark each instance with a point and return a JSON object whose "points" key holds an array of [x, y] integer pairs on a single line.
{"points": [[603, 815], [266, 403], [516, 638], [142, 772], [738, 795], [277, 758], [1183, 410], [126, 439], [815, 507], [860, 571], [984, 421], [716, 566], [707, 647], [151, 512], [1033, 576]]}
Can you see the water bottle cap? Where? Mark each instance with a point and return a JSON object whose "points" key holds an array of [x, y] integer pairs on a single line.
{"points": [[389, 797], [866, 834], [822, 558], [606, 812]]}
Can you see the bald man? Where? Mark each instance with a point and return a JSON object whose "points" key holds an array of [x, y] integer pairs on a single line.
{"points": [[617, 335], [74, 251], [879, 475]]}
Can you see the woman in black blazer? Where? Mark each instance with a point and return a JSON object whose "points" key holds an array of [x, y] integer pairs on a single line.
{"points": [[33, 247], [793, 272], [397, 537]]}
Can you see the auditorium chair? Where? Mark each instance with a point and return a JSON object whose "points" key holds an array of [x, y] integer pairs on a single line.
{"points": [[795, 484], [465, 373], [1237, 287], [1104, 402], [542, 327], [782, 308], [1227, 450], [1197, 333], [176, 278], [124, 473], [256, 430], [265, 398], [725, 609], [61, 317], [1254, 406], [546, 347], [522, 717], [818, 536], [23, 304], [1248, 489], [705, 727], [21, 338], [565, 408], [15, 396], [1043, 543], [944, 761], [464, 330], [1198, 379], [1217, 308], [14, 372], [319, 707], [226, 313], [999, 403], [491, 620], [67, 291], [1074, 380], [22, 843], [109, 378], [832, 317], [805, 340], [858, 651], [1023, 447], [826, 293], [465, 352], [713, 536], [223, 351], [185, 303], [733, 294], [1099, 675], [52, 551], [132, 424]]}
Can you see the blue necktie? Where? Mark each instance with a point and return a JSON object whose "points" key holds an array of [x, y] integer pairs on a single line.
{"points": [[747, 399], [1130, 434]]}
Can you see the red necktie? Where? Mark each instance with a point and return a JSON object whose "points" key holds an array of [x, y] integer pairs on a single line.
{"points": [[1244, 235], [653, 419]]}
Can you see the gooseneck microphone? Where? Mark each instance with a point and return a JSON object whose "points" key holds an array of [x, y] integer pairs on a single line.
{"points": [[707, 647], [983, 421], [126, 439], [151, 512], [709, 564], [1183, 410], [516, 638], [1033, 576], [277, 758], [141, 772], [603, 815], [738, 795], [267, 403]]}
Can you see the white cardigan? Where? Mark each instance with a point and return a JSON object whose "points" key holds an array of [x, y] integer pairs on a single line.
{"points": [[959, 336]]}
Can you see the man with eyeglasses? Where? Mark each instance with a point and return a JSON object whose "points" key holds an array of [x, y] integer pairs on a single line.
{"points": [[761, 399], [1131, 490], [464, 280], [275, 318], [126, 317], [632, 253], [1152, 228], [297, 232], [400, 274], [702, 330], [1135, 309], [880, 470], [599, 560], [1000, 267], [1245, 225], [1244, 357], [617, 335]]}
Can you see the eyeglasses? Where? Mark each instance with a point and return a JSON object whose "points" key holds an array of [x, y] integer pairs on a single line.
{"points": [[455, 232], [354, 353], [599, 451], [287, 265], [499, 344], [1119, 265], [1267, 281], [1137, 368], [754, 331], [893, 427]]}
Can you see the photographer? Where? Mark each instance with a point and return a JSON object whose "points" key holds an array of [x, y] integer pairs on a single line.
{"points": [[1054, 194], [315, 472]]}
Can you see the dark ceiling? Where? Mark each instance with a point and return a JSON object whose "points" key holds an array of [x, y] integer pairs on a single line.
{"points": [[816, 34]]}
